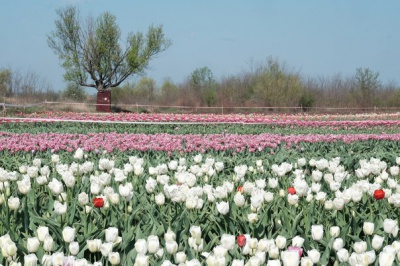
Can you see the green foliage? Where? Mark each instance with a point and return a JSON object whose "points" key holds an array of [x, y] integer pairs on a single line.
{"points": [[74, 92], [145, 89], [276, 86], [202, 79], [169, 92], [307, 100], [367, 83], [5, 80], [91, 53]]}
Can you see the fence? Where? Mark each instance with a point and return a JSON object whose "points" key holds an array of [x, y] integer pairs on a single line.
{"points": [[138, 108]]}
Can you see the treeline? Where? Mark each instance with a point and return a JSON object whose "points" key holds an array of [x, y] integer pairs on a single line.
{"points": [[271, 84]]}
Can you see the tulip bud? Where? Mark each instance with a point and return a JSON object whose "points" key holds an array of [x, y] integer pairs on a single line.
{"points": [[377, 242], [30, 259], [111, 234], [68, 234], [114, 258], [141, 246], [42, 232], [343, 255], [317, 232], [180, 257], [290, 258], [48, 243], [334, 231], [94, 245], [171, 247], [32, 244], [280, 242], [153, 244], [74, 248], [368, 228], [360, 247]]}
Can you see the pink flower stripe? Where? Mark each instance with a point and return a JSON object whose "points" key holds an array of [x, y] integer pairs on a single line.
{"points": [[169, 143], [211, 119]]}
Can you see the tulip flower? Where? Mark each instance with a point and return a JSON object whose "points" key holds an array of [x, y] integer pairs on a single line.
{"points": [[291, 190], [98, 202], [241, 240], [379, 194]]}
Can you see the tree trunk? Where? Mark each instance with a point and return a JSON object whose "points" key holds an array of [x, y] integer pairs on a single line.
{"points": [[103, 101]]}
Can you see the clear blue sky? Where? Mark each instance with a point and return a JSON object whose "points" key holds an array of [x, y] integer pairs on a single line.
{"points": [[314, 37]]}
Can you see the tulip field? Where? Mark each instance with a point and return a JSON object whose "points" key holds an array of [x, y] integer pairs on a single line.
{"points": [[186, 189]]}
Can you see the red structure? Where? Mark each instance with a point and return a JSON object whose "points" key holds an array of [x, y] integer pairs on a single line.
{"points": [[103, 101]]}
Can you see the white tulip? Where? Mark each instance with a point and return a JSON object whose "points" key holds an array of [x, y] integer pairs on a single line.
{"points": [[30, 260], [334, 231], [153, 244], [252, 218], [317, 232], [391, 227], [297, 241], [338, 244], [273, 263], [306, 261], [74, 248], [394, 171], [180, 257], [142, 260], [55, 186], [237, 262], [24, 185], [239, 199], [223, 207], [343, 255], [228, 241], [111, 234], [273, 252], [78, 154], [114, 258], [13, 203], [106, 248], [280, 242], [290, 258], [68, 234], [171, 247], [42, 232], [368, 228], [386, 258], [160, 199], [360, 247], [93, 245], [60, 208], [48, 243], [314, 255], [141, 246], [32, 244]]}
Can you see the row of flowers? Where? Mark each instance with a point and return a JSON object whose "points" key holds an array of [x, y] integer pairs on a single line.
{"points": [[227, 118], [166, 252], [170, 143], [274, 211], [211, 119]]}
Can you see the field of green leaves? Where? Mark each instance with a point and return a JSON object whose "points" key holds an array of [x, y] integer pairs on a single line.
{"points": [[81, 189]]}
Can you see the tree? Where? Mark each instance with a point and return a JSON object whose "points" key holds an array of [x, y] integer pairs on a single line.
{"points": [[202, 79], [145, 89], [91, 52], [367, 83], [5, 82], [74, 92]]}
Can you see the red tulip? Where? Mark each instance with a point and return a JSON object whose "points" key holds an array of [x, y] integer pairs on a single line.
{"points": [[241, 240], [291, 190], [379, 194], [98, 202], [240, 189]]}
